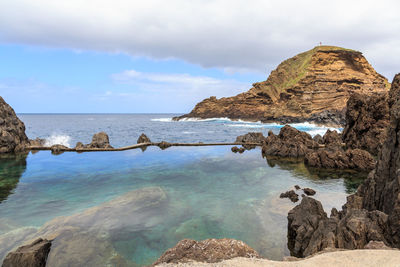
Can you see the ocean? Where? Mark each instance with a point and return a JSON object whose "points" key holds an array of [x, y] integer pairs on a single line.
{"points": [[207, 192]]}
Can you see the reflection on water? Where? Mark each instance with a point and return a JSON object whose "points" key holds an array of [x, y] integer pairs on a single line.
{"points": [[352, 178], [198, 193], [11, 169]]}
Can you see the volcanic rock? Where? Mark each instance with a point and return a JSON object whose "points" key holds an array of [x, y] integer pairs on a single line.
{"points": [[290, 195], [371, 214], [100, 140], [209, 250], [367, 119], [340, 159], [32, 255], [38, 142], [290, 142], [12, 130], [58, 149], [235, 149], [252, 137], [164, 145], [309, 191], [311, 86], [332, 139], [143, 139]]}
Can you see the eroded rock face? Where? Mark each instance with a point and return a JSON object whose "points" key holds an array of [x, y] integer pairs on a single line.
{"points": [[340, 159], [12, 130], [367, 119], [371, 214], [209, 250], [312, 86], [32, 255], [290, 142]]}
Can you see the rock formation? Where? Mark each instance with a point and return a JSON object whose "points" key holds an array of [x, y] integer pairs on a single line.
{"points": [[32, 255], [290, 142], [340, 159], [371, 214], [209, 250], [12, 130], [290, 195], [311, 86], [252, 137], [367, 119], [99, 140]]}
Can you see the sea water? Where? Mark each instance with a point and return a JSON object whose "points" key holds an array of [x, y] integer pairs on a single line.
{"points": [[211, 192]]}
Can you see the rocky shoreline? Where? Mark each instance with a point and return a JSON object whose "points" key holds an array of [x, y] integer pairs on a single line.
{"points": [[370, 215]]}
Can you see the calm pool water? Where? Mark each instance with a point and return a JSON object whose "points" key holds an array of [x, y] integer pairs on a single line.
{"points": [[181, 192]]}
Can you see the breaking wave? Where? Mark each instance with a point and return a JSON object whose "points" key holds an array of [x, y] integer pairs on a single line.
{"points": [[56, 139]]}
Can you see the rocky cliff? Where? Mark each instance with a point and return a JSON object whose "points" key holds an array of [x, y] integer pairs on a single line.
{"points": [[372, 214], [12, 130], [312, 86]]}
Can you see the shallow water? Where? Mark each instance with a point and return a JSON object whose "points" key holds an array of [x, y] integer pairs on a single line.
{"points": [[210, 193]]}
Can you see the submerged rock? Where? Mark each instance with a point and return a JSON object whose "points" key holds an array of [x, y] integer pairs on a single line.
{"points": [[235, 149], [209, 250], [88, 235], [143, 139], [367, 119], [32, 255], [12, 130]]}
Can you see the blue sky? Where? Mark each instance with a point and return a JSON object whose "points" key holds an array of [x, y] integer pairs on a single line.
{"points": [[51, 80], [156, 56]]}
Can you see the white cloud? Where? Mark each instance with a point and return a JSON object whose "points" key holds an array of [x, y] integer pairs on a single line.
{"points": [[227, 34], [182, 87]]}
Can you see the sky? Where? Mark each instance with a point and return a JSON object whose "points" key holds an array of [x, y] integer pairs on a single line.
{"points": [[157, 56]]}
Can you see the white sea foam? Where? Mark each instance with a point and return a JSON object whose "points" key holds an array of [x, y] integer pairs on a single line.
{"points": [[60, 139], [163, 119]]}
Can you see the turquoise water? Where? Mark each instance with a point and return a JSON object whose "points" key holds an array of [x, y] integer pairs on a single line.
{"points": [[210, 192]]}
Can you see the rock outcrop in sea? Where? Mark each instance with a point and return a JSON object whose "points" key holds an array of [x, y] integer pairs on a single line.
{"points": [[371, 214], [12, 130], [99, 140], [311, 86]]}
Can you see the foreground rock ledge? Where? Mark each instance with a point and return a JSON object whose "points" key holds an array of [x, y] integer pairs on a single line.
{"points": [[353, 258], [209, 250]]}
